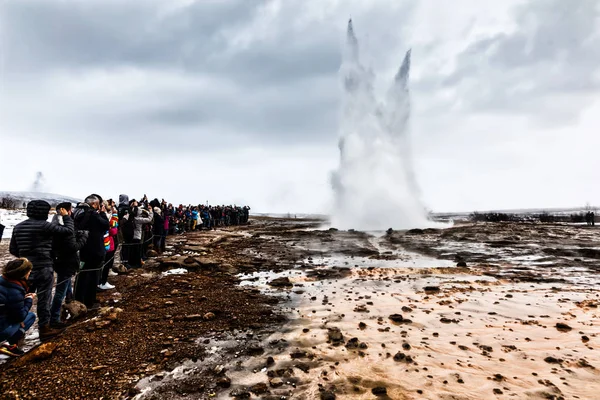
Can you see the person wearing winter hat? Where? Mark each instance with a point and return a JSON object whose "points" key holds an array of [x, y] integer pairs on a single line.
{"points": [[15, 317], [33, 239], [158, 230]]}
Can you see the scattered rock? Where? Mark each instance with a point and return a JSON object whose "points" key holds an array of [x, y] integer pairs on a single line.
{"points": [[74, 310], [585, 339], [256, 350], [121, 269], [461, 264], [445, 320], [281, 282], [42, 352], [335, 336], [276, 382], [327, 395], [192, 317], [259, 388], [401, 357], [396, 317], [584, 364], [431, 289], [224, 382], [497, 391], [561, 327], [379, 391], [208, 316], [298, 354], [553, 360], [303, 367], [362, 325]]}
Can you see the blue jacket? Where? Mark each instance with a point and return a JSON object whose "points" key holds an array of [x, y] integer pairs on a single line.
{"points": [[13, 304]]}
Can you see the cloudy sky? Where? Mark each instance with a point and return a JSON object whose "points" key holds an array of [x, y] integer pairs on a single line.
{"points": [[238, 100]]}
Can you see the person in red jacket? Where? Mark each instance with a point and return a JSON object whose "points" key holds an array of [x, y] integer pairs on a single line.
{"points": [[110, 243]]}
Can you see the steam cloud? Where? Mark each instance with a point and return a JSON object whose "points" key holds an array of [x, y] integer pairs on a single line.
{"points": [[38, 183], [375, 186]]}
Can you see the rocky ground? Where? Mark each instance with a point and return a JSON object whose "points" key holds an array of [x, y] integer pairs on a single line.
{"points": [[281, 309]]}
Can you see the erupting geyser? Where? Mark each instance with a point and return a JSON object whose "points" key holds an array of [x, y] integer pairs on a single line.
{"points": [[375, 186]]}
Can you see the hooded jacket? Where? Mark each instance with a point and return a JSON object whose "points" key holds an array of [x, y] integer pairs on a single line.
{"points": [[96, 223], [13, 304], [123, 205], [32, 238], [140, 221]]}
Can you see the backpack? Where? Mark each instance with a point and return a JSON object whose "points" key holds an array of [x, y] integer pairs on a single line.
{"points": [[127, 226]]}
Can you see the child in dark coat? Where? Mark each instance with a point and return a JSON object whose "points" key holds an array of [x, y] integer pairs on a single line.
{"points": [[15, 303]]}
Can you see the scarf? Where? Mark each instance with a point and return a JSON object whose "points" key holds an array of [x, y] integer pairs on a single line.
{"points": [[20, 282]]}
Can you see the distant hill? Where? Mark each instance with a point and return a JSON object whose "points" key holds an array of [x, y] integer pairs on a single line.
{"points": [[22, 198]]}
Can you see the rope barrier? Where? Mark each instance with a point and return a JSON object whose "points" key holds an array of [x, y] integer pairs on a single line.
{"points": [[95, 269]]}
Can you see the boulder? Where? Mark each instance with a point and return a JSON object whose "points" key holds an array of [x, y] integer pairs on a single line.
{"points": [[281, 282], [379, 391], [208, 316], [73, 310], [335, 336], [42, 352], [276, 382], [396, 317]]}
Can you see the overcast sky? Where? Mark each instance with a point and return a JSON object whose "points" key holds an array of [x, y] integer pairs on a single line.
{"points": [[238, 100]]}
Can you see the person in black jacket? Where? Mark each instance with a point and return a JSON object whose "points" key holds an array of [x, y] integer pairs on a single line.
{"points": [[32, 239], [90, 216], [66, 264], [158, 230], [125, 231]]}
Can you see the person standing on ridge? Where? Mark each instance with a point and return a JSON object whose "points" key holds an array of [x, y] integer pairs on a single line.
{"points": [[90, 216], [66, 264]]}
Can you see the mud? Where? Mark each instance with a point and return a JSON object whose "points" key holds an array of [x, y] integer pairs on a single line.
{"points": [[307, 313]]}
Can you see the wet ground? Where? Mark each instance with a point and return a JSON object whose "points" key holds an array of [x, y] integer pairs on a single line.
{"points": [[375, 315]]}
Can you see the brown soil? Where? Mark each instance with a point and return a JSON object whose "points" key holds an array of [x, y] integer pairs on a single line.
{"points": [[162, 317]]}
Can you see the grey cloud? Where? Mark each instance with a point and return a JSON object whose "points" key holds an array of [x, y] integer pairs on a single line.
{"points": [[554, 51], [96, 33], [282, 83], [42, 35]]}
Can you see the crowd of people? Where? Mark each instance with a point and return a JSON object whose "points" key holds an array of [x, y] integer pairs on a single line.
{"points": [[590, 218], [79, 247]]}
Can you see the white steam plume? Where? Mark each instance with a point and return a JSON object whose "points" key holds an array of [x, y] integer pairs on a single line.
{"points": [[375, 185]]}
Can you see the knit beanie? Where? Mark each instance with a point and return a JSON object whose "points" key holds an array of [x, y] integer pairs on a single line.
{"points": [[38, 210], [17, 269]]}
